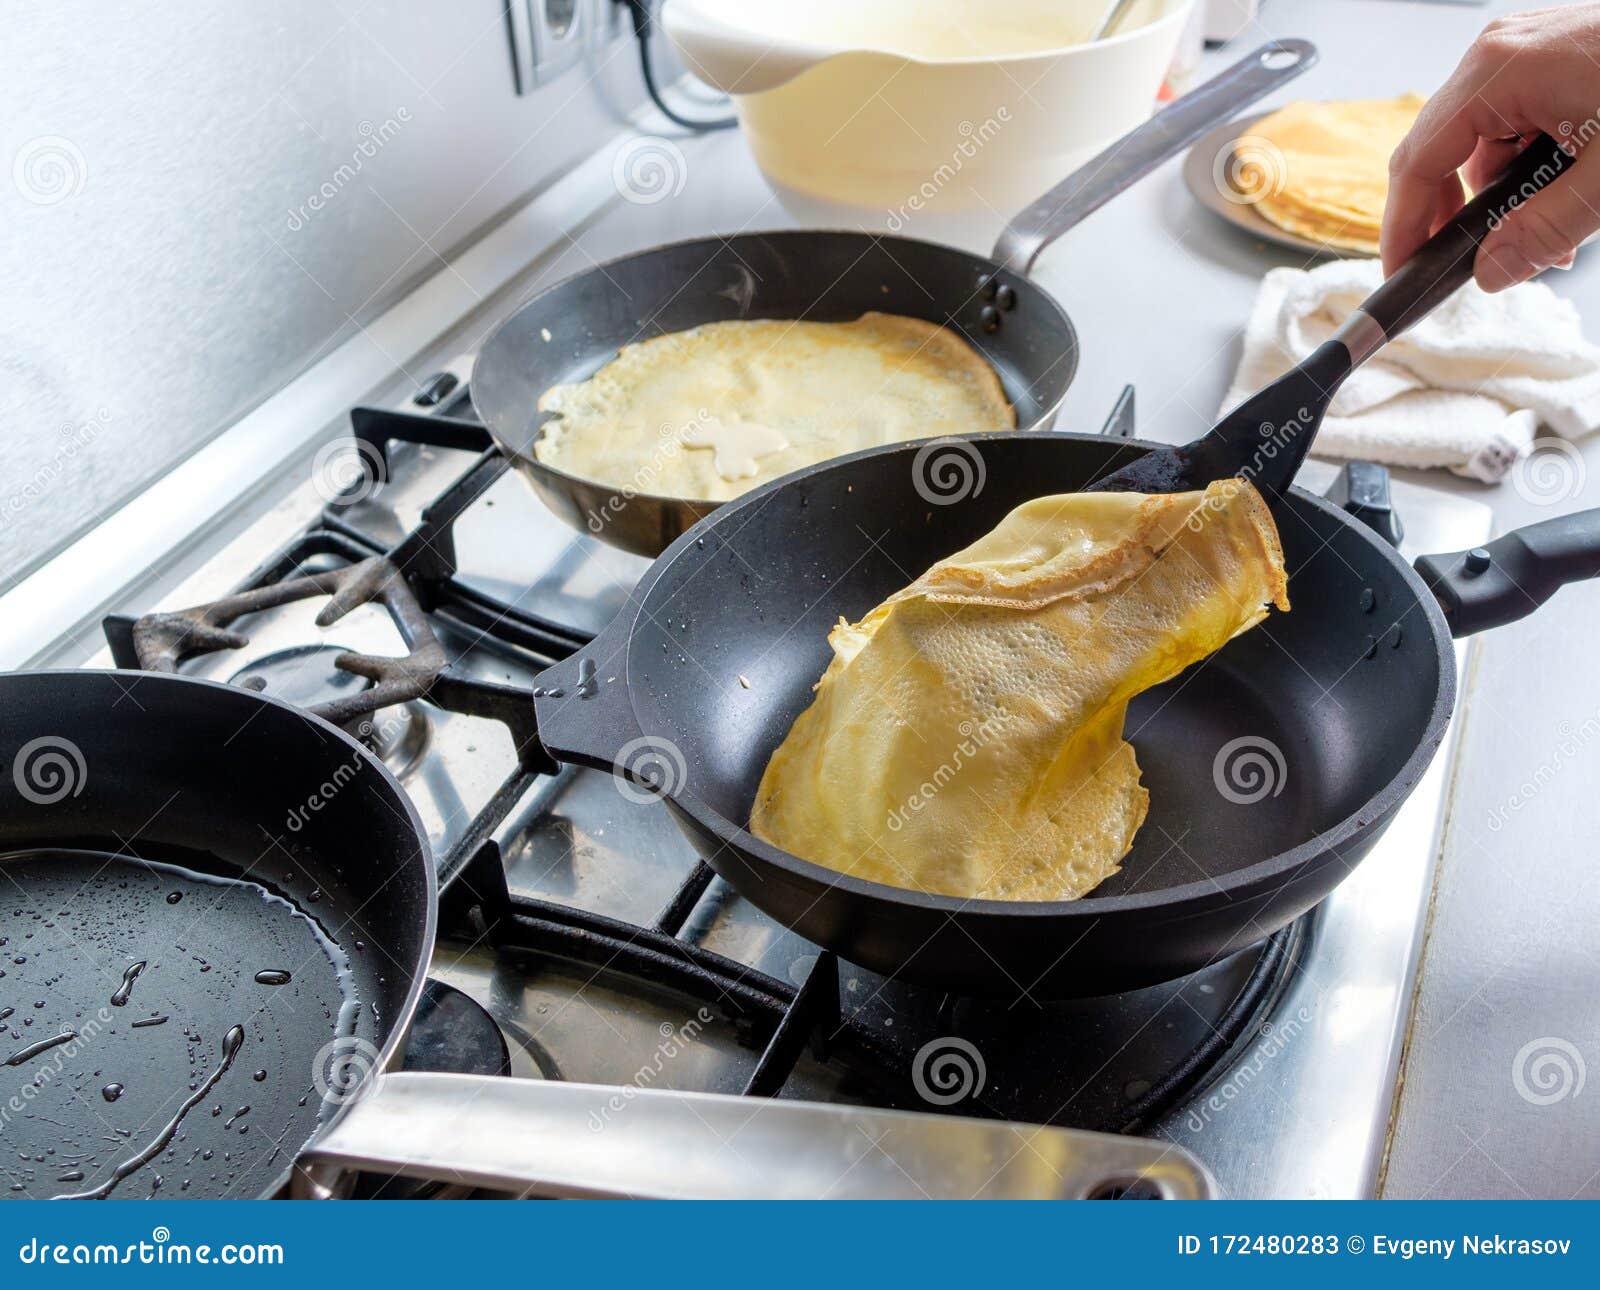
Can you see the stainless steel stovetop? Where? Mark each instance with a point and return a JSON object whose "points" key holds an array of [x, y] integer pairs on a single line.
{"points": [[633, 966]]}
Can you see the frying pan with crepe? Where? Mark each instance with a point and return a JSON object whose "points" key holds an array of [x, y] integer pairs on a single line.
{"points": [[566, 333], [1346, 698]]}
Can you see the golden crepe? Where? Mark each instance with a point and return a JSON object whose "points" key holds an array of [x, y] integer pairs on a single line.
{"points": [[1321, 170], [714, 411], [966, 738]]}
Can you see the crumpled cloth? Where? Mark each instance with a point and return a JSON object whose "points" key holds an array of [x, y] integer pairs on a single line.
{"points": [[1467, 388]]}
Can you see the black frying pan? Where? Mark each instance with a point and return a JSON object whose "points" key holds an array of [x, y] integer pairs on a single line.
{"points": [[568, 331], [1341, 703], [188, 1075]]}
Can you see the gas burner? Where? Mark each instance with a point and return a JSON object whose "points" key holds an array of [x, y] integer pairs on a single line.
{"points": [[311, 677], [307, 676], [449, 1033], [162, 640], [399, 735]]}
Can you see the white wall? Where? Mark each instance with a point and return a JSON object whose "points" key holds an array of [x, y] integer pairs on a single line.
{"points": [[162, 268]]}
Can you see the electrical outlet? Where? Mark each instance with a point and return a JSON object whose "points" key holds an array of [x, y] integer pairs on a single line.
{"points": [[549, 37]]}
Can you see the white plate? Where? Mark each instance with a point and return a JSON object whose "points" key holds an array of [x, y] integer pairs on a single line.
{"points": [[1208, 173]]}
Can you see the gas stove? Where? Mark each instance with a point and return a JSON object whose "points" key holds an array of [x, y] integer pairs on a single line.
{"points": [[582, 939]]}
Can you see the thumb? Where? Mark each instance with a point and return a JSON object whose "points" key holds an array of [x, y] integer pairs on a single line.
{"points": [[1543, 230]]}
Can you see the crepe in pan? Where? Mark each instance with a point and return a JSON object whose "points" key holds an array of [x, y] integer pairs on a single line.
{"points": [[717, 410], [966, 738]]}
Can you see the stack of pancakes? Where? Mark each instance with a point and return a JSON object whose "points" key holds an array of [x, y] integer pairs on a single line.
{"points": [[1321, 170]]}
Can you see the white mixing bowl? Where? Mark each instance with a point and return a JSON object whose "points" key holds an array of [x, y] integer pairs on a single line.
{"points": [[934, 118]]}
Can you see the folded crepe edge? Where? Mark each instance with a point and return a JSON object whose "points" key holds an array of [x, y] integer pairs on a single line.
{"points": [[1156, 527]]}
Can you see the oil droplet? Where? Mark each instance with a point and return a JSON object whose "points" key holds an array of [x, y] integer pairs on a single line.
{"points": [[173, 897], [157, 1020], [272, 976], [126, 988], [111, 1092], [44, 1045], [259, 1076], [231, 1043]]}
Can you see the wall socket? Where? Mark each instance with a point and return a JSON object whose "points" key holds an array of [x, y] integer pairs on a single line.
{"points": [[549, 37]]}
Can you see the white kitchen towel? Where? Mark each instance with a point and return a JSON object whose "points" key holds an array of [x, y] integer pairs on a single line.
{"points": [[1468, 387]]}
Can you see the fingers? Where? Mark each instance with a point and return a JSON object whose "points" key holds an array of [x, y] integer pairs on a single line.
{"points": [[1543, 231], [1474, 105], [1423, 187], [1488, 160]]}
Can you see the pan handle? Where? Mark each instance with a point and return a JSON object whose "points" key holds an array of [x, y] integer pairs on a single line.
{"points": [[550, 1138], [1137, 153], [581, 705], [1509, 578]]}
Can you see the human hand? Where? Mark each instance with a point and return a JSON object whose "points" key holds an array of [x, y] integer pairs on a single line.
{"points": [[1528, 72]]}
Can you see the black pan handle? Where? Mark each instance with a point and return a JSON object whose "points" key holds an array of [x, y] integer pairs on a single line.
{"points": [[581, 705], [1446, 260], [1509, 578], [1137, 153]]}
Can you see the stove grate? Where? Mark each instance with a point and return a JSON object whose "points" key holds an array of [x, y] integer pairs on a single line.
{"points": [[781, 1018]]}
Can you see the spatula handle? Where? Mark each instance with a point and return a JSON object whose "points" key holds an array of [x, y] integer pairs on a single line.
{"points": [[1446, 260]]}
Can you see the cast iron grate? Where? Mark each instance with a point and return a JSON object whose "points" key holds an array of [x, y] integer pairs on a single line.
{"points": [[419, 582]]}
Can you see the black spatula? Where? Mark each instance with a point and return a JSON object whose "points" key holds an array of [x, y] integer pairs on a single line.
{"points": [[1267, 436]]}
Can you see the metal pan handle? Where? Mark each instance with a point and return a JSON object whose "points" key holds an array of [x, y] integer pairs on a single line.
{"points": [[1136, 154], [548, 1138], [1509, 578]]}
